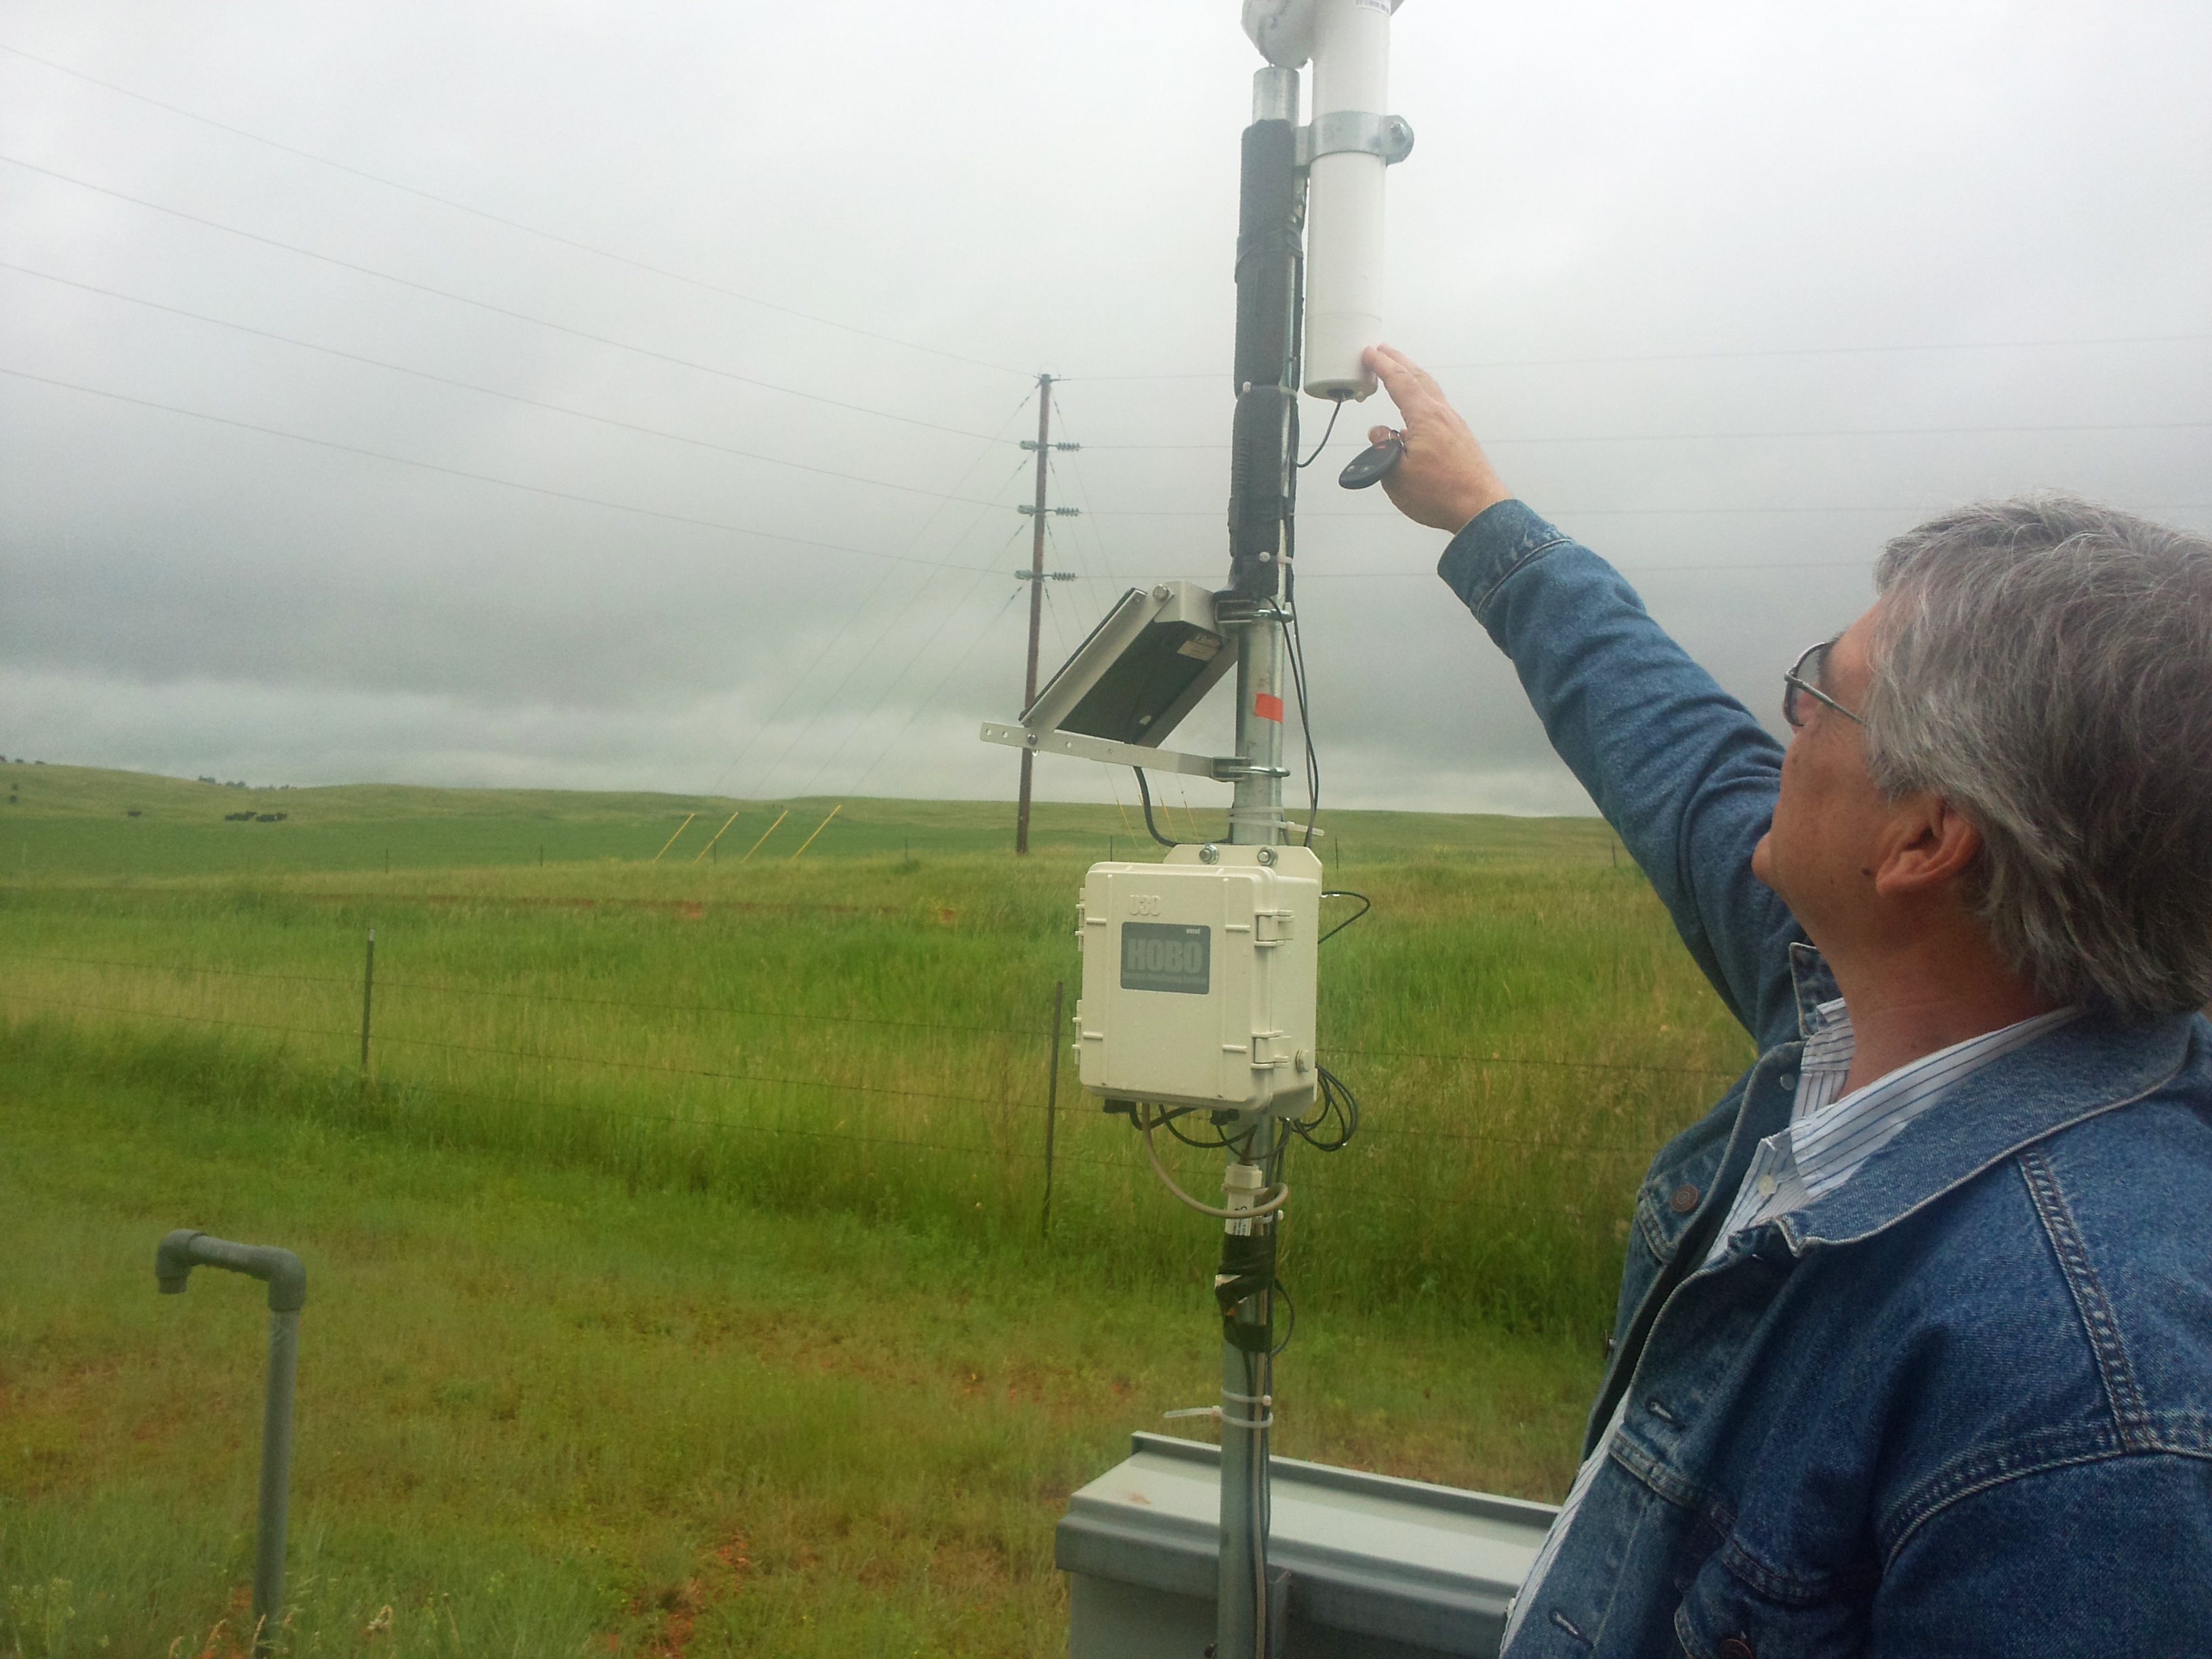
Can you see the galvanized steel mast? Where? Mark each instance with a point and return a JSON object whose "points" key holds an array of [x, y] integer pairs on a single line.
{"points": [[1262, 499]]}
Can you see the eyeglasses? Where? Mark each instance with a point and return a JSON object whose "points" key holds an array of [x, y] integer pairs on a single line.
{"points": [[1802, 681]]}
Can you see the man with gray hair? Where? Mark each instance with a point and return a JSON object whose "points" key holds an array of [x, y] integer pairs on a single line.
{"points": [[1913, 1353]]}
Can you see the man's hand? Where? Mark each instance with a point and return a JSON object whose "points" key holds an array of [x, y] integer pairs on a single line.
{"points": [[1445, 480]]}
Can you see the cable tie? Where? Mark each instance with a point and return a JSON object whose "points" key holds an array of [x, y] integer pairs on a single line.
{"points": [[1220, 1416]]}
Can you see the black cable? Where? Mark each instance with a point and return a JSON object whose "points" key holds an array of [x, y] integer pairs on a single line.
{"points": [[1335, 409], [1298, 655], [1291, 1329], [1146, 794], [1366, 905], [1166, 1120], [1295, 649], [1338, 1101]]}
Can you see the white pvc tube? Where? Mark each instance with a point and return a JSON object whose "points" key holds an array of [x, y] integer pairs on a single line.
{"points": [[1344, 202]]}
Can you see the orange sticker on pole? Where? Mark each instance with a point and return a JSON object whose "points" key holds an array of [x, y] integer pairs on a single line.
{"points": [[1268, 708]]}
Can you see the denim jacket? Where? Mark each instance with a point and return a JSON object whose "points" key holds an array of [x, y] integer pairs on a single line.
{"points": [[1962, 1405]]}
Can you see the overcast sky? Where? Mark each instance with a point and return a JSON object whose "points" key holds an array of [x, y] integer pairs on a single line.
{"points": [[1733, 291]]}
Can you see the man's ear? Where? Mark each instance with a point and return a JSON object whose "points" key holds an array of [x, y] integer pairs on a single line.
{"points": [[1930, 843]]}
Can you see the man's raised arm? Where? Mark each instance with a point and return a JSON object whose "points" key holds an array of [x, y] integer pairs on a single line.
{"points": [[1678, 767]]}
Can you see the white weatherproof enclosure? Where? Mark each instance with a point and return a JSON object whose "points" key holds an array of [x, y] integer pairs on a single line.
{"points": [[1344, 200], [1198, 979]]}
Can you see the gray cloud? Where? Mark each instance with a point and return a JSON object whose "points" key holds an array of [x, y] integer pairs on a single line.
{"points": [[1628, 241]]}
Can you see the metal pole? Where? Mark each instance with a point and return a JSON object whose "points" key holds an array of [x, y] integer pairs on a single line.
{"points": [[368, 992], [173, 1261], [1247, 1389], [1261, 493], [1036, 598], [276, 1477], [1052, 1095]]}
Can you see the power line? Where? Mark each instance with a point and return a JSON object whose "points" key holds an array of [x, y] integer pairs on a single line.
{"points": [[1612, 512], [478, 477], [1430, 573], [877, 644], [485, 391], [1074, 458], [852, 616], [1747, 437], [945, 679], [852, 620], [899, 674], [485, 305], [1769, 351], [491, 217]]}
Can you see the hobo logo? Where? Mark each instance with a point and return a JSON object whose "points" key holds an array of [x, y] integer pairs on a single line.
{"points": [[1166, 956]]}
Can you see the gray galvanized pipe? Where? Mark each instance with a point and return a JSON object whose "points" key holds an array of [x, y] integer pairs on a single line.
{"points": [[173, 1262]]}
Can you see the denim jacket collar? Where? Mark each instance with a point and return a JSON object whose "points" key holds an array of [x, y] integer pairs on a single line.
{"points": [[2087, 1066], [2078, 1072], [1814, 983]]}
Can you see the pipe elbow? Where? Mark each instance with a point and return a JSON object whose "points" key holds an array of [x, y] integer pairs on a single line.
{"points": [[173, 1260], [288, 1280], [186, 1248]]}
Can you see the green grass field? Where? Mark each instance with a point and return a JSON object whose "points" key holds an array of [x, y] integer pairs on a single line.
{"points": [[677, 1267]]}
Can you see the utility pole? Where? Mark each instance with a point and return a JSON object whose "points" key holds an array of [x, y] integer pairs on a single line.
{"points": [[1036, 576]]}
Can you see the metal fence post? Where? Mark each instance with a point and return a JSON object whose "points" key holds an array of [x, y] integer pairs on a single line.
{"points": [[173, 1262], [1051, 1099], [368, 991]]}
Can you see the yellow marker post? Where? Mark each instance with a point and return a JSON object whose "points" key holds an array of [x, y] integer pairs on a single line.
{"points": [[709, 847], [765, 834], [680, 828], [1118, 807], [818, 829]]}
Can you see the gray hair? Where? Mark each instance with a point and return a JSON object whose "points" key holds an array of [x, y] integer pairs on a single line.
{"points": [[2045, 666]]}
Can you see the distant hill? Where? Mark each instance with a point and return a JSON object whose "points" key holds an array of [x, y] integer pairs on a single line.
{"points": [[78, 822]]}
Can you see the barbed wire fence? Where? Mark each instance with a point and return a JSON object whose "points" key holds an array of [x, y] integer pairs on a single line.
{"points": [[1037, 1091]]}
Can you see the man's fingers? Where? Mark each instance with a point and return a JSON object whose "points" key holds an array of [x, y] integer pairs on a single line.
{"points": [[1444, 481], [1376, 435], [1394, 367], [1393, 370], [1410, 387]]}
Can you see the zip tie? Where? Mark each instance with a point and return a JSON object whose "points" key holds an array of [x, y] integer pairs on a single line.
{"points": [[1218, 1416], [1265, 1401]]}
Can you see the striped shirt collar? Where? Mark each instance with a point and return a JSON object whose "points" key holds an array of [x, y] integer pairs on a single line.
{"points": [[1829, 1139]]}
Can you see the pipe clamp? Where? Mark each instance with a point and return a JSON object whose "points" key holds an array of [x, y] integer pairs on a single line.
{"points": [[1347, 132]]}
